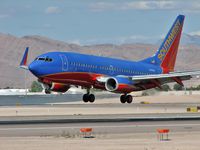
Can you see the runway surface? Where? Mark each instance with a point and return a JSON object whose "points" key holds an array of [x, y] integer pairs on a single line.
{"points": [[45, 118], [54, 122], [173, 100], [82, 109], [117, 118], [10, 100], [98, 128], [82, 105]]}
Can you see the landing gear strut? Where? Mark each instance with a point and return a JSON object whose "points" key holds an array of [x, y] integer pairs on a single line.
{"points": [[126, 98], [88, 97], [47, 91]]}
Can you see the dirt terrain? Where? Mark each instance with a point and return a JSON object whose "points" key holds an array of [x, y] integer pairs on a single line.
{"points": [[147, 141]]}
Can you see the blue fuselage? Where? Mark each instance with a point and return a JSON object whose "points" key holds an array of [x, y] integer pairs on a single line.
{"points": [[83, 70], [62, 62]]}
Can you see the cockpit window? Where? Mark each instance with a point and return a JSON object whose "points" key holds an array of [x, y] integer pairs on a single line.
{"points": [[41, 58], [47, 59]]}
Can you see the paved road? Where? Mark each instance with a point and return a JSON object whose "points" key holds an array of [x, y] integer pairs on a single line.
{"points": [[98, 128]]}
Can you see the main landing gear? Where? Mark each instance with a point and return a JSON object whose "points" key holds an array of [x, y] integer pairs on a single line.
{"points": [[126, 98], [88, 98]]}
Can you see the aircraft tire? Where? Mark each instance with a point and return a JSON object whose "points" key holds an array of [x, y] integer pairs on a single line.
{"points": [[123, 99], [85, 98], [91, 98], [129, 99]]}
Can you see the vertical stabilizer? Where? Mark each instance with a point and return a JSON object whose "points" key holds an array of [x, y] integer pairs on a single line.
{"points": [[165, 57]]}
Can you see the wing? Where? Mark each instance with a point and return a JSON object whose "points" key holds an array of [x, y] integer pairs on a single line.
{"points": [[141, 82], [160, 79], [187, 74]]}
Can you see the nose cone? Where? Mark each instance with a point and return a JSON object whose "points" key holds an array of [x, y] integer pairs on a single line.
{"points": [[34, 68]]}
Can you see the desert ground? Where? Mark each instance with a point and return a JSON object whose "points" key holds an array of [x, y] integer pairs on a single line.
{"points": [[106, 141], [147, 141]]}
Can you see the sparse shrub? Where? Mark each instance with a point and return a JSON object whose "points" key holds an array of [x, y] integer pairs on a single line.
{"points": [[36, 87]]}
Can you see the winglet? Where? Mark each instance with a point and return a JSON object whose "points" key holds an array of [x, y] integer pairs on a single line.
{"points": [[23, 63]]}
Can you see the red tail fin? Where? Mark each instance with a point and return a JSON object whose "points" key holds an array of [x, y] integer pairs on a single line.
{"points": [[169, 48], [165, 57]]}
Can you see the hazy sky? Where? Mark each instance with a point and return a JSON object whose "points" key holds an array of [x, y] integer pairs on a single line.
{"points": [[97, 21]]}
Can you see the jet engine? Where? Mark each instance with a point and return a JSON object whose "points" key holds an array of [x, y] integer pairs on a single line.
{"points": [[119, 85], [56, 87]]}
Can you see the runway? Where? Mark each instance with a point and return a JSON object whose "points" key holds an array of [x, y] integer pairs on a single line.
{"points": [[101, 99], [98, 128], [93, 109], [100, 118], [10, 100], [51, 118], [36, 124]]}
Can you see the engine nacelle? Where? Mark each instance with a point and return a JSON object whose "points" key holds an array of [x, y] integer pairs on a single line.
{"points": [[119, 85], [58, 87]]}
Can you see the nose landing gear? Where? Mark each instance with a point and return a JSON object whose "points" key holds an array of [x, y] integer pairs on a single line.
{"points": [[47, 91]]}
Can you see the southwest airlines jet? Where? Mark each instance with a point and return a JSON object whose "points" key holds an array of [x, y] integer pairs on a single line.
{"points": [[58, 71]]}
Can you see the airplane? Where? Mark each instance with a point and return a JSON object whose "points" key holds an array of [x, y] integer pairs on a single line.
{"points": [[58, 71]]}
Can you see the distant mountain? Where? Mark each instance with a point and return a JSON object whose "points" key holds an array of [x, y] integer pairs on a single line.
{"points": [[12, 49], [190, 39], [186, 39]]}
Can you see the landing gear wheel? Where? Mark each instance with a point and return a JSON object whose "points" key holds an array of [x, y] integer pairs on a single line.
{"points": [[91, 98], [129, 99], [123, 99], [85, 98], [47, 91], [126, 98], [88, 98]]}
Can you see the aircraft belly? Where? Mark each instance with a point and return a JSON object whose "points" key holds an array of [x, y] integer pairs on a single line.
{"points": [[74, 78]]}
